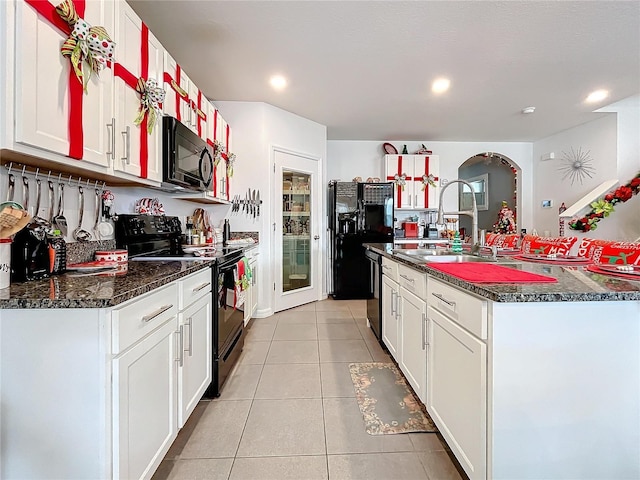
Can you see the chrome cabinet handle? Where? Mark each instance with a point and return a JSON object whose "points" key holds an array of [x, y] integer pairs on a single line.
{"points": [[200, 287], [408, 279], [127, 145], [189, 322], [181, 343], [111, 129], [416, 201], [440, 297], [424, 329], [393, 303], [161, 310]]}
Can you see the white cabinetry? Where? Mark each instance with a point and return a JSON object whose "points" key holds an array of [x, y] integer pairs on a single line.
{"points": [[251, 299], [175, 104], [390, 305], [130, 138], [195, 332], [457, 375], [144, 382], [42, 96], [411, 174], [412, 356]]}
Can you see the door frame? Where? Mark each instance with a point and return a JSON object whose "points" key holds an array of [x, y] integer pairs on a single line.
{"points": [[316, 225]]}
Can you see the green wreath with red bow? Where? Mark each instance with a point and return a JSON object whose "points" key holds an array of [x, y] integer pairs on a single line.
{"points": [[604, 207]]}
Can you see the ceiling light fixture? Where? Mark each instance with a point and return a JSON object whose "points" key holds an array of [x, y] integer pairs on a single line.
{"points": [[597, 96], [440, 85], [527, 110], [278, 82]]}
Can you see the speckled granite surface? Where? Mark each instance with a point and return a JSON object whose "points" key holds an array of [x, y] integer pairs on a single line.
{"points": [[575, 284], [73, 290], [78, 252]]}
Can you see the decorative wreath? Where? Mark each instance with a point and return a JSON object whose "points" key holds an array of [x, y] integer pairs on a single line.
{"points": [[604, 207], [428, 180], [400, 180]]}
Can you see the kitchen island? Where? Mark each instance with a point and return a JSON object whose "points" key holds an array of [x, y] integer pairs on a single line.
{"points": [[535, 380]]}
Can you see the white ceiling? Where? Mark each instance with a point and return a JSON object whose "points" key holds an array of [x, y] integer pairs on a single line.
{"points": [[364, 68]]}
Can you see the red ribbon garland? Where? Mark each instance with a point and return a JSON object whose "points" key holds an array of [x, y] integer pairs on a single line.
{"points": [[76, 134], [132, 80], [426, 187], [399, 187]]}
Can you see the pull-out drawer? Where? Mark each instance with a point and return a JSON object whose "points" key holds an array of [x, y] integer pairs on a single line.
{"points": [[390, 269], [465, 309], [194, 287], [413, 280], [132, 321]]}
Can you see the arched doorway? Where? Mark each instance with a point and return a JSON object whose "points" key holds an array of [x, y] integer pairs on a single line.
{"points": [[498, 178]]}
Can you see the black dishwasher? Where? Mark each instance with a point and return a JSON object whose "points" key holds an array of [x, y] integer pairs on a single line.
{"points": [[374, 299]]}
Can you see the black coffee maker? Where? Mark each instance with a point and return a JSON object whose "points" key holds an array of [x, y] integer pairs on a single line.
{"points": [[29, 255]]}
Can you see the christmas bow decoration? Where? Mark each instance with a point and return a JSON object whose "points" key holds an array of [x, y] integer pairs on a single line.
{"points": [[428, 180], [85, 43], [218, 149], [231, 158], [400, 179], [150, 97]]}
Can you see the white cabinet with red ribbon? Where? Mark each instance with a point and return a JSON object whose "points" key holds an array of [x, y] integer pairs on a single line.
{"points": [[55, 109], [416, 180], [140, 65], [176, 84]]}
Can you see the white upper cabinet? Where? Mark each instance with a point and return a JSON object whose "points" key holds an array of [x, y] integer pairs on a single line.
{"points": [[175, 101], [131, 138], [414, 177], [42, 89]]}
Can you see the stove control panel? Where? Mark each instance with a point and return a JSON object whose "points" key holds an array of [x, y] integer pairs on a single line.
{"points": [[128, 226]]}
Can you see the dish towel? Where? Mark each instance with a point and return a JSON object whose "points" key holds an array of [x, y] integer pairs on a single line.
{"points": [[242, 281], [487, 273]]}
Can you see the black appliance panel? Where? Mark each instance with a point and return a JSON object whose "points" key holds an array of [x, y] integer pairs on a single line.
{"points": [[374, 302], [186, 157], [230, 318]]}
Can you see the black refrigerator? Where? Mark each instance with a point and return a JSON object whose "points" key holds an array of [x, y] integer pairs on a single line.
{"points": [[358, 213]]}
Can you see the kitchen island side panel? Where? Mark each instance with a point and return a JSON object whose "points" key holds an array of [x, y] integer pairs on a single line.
{"points": [[55, 396], [564, 383]]}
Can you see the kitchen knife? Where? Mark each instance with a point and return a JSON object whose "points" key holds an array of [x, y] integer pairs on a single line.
{"points": [[255, 205], [250, 203], [258, 203]]}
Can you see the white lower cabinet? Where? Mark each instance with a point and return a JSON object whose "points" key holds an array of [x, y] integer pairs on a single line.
{"points": [[390, 317], [194, 374], [413, 349], [457, 387], [144, 403]]}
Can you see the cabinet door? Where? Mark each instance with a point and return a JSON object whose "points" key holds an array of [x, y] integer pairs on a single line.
{"points": [[401, 165], [42, 78], [413, 350], [425, 167], [129, 137], [191, 116], [144, 403], [254, 287], [173, 104], [221, 175], [457, 391], [195, 374], [390, 300]]}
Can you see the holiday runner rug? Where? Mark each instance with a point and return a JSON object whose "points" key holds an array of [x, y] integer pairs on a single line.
{"points": [[387, 404]]}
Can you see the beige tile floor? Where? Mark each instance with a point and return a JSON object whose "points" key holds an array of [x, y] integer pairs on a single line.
{"points": [[289, 411]]}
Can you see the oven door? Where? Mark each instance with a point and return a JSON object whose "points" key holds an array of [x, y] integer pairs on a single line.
{"points": [[230, 317]]}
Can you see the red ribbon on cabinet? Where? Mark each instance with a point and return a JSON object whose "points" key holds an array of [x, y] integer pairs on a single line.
{"points": [[400, 180], [213, 146], [131, 80], [175, 86], [422, 180], [76, 134], [202, 117]]}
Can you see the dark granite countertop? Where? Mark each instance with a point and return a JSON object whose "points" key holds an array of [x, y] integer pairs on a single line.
{"points": [[73, 290], [575, 284]]}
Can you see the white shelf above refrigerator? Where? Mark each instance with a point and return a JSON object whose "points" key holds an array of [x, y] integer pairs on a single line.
{"points": [[601, 190]]}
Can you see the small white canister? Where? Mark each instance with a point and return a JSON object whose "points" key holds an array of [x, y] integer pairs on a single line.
{"points": [[5, 262]]}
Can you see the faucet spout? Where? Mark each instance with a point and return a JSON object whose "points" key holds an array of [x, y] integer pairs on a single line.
{"points": [[473, 213]]}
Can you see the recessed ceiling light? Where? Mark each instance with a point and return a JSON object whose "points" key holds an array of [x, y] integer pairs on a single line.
{"points": [[278, 82], [440, 85], [528, 109], [597, 96]]}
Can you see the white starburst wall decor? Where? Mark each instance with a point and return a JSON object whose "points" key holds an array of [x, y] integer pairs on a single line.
{"points": [[577, 165]]}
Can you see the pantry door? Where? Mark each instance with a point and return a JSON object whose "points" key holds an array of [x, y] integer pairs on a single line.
{"points": [[297, 213]]}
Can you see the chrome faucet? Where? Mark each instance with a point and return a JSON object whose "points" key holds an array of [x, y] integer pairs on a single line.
{"points": [[473, 213]]}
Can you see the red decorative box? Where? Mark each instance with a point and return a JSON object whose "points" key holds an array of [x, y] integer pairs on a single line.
{"points": [[410, 229]]}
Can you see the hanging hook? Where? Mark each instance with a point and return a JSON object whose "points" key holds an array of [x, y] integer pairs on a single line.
{"points": [[104, 184], [59, 178], [96, 187], [23, 169], [78, 183], [69, 181], [88, 180], [10, 165], [37, 171], [49, 176]]}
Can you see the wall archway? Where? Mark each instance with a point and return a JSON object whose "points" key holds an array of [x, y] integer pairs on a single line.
{"points": [[504, 183]]}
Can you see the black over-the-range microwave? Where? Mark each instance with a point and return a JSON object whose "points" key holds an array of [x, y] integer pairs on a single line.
{"points": [[186, 158]]}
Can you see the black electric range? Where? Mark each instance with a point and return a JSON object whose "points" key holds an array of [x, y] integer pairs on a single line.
{"points": [[159, 238]]}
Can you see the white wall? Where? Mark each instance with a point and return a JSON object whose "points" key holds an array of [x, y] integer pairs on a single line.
{"points": [[613, 145], [257, 128], [348, 159]]}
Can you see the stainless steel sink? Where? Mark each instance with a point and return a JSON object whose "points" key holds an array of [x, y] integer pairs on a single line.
{"points": [[443, 256]]}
